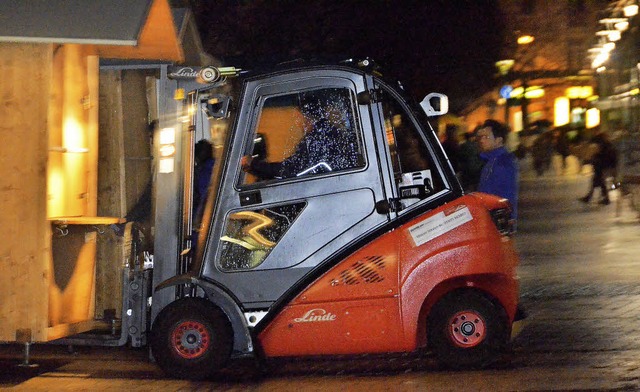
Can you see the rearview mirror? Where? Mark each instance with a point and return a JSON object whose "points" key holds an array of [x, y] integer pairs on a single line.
{"points": [[435, 104]]}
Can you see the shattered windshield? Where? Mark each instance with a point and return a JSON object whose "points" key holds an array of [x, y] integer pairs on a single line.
{"points": [[305, 133]]}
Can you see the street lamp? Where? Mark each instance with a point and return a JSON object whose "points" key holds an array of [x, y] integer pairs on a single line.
{"points": [[525, 39], [630, 10]]}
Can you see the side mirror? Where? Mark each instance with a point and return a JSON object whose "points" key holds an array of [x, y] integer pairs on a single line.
{"points": [[218, 106], [435, 104]]}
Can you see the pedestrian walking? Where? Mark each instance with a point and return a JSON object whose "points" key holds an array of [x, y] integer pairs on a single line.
{"points": [[542, 152], [604, 161], [562, 145], [499, 174]]}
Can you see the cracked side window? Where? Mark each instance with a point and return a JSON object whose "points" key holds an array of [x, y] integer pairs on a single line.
{"points": [[305, 133]]}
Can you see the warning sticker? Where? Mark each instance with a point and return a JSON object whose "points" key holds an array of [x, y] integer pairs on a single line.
{"points": [[439, 224]]}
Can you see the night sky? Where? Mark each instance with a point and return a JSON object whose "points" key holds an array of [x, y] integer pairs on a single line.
{"points": [[448, 46]]}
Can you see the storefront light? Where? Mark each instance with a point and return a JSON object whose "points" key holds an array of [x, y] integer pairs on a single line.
{"points": [[534, 92], [622, 25], [604, 33], [531, 93], [516, 92], [630, 10], [525, 39], [614, 35], [517, 121], [600, 59], [611, 35], [579, 92], [561, 111], [592, 118], [504, 66]]}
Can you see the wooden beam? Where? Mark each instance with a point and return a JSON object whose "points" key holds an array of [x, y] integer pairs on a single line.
{"points": [[25, 244]]}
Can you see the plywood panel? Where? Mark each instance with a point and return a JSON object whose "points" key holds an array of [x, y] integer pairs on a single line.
{"points": [[26, 71], [124, 175], [111, 186], [111, 191], [73, 279], [137, 143], [56, 194], [90, 106], [75, 136], [157, 41]]}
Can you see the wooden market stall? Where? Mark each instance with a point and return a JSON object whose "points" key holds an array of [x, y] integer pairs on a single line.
{"points": [[49, 62]]}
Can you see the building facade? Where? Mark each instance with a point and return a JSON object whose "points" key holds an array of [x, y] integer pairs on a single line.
{"points": [[544, 76]]}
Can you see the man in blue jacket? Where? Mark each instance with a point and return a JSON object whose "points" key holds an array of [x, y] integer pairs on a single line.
{"points": [[500, 172]]}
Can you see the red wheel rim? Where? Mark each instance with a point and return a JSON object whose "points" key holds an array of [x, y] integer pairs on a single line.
{"points": [[467, 329], [190, 339]]}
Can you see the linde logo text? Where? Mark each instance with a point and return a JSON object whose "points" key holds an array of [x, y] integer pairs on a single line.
{"points": [[184, 73], [316, 315]]}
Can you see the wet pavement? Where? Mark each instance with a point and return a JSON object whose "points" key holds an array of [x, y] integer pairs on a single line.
{"points": [[580, 274]]}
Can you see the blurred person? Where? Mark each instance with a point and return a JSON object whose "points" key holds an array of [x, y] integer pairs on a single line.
{"points": [[604, 161], [203, 156], [469, 162], [450, 145], [499, 174], [562, 145], [542, 152]]}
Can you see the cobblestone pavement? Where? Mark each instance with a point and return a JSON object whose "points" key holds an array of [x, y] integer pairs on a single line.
{"points": [[580, 268]]}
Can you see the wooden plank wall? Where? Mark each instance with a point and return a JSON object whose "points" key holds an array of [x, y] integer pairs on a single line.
{"points": [[111, 192], [137, 137], [26, 71], [72, 187], [124, 175]]}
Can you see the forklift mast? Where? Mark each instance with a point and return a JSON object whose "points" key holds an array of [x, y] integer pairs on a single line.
{"points": [[182, 93]]}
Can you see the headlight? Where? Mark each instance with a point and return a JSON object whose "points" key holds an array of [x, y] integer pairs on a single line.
{"points": [[502, 219]]}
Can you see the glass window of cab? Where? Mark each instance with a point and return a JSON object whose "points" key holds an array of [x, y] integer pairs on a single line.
{"points": [[304, 133]]}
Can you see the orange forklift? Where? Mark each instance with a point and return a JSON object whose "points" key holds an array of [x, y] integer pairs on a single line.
{"points": [[333, 224]]}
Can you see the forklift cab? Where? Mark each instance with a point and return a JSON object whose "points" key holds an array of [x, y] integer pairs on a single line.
{"points": [[333, 222], [338, 166]]}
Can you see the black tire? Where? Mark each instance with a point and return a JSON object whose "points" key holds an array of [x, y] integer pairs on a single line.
{"points": [[191, 339], [467, 330]]}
